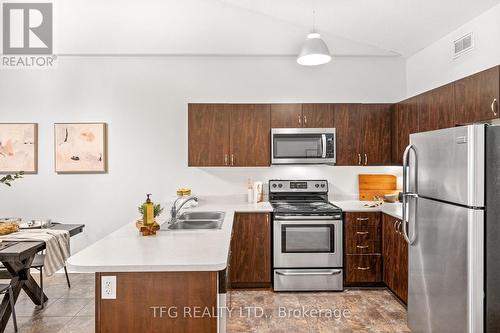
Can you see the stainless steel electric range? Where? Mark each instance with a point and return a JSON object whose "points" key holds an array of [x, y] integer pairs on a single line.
{"points": [[307, 236]]}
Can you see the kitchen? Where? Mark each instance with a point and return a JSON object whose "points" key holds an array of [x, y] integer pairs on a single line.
{"points": [[181, 112]]}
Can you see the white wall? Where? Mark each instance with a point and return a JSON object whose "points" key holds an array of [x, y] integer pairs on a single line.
{"points": [[144, 101], [434, 66]]}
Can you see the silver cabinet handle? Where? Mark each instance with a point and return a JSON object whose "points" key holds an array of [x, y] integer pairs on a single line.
{"points": [[364, 268], [300, 120], [362, 219], [232, 159], [362, 232], [302, 273], [362, 246], [366, 159], [305, 120], [225, 159], [359, 159], [493, 107], [394, 225]]}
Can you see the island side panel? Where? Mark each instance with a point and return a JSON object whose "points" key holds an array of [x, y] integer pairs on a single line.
{"points": [[190, 296]]}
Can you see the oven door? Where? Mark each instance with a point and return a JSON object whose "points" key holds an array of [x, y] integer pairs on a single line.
{"points": [[307, 242], [303, 146]]}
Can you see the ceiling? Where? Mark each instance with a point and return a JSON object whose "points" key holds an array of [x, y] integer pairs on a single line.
{"points": [[257, 27]]}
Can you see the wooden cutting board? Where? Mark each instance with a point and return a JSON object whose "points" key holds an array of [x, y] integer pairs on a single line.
{"points": [[371, 186]]}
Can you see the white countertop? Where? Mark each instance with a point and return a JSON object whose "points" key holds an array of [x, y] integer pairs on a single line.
{"points": [[125, 250], [393, 209]]}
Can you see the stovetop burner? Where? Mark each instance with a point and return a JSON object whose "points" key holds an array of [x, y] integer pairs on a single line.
{"points": [[304, 207]]}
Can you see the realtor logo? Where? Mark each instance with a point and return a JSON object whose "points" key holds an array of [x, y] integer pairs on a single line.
{"points": [[27, 35]]}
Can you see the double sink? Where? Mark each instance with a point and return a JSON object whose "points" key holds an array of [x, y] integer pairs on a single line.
{"points": [[198, 220]]}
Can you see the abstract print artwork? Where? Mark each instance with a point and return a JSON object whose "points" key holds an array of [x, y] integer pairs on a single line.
{"points": [[18, 148], [80, 148]]}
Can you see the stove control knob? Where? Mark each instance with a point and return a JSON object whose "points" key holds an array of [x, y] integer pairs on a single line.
{"points": [[274, 185], [322, 185], [317, 185], [280, 185]]}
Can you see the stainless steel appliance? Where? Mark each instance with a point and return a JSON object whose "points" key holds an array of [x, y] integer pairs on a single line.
{"points": [[451, 213], [303, 146], [307, 235]]}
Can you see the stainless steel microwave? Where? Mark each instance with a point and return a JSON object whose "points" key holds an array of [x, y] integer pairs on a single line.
{"points": [[303, 146]]}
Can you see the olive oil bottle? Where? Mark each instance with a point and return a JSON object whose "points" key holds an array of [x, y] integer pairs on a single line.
{"points": [[148, 217]]}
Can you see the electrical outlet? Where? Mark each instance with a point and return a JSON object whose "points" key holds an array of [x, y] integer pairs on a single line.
{"points": [[108, 287]]}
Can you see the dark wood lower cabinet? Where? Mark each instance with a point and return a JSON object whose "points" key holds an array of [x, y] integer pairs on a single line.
{"points": [[363, 248], [250, 256], [364, 268], [395, 257], [138, 294]]}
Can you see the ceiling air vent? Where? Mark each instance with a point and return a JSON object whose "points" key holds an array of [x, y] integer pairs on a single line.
{"points": [[463, 45]]}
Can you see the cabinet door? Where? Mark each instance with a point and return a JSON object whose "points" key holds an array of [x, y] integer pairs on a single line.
{"points": [[208, 135], [402, 271], [388, 250], [250, 135], [347, 119], [250, 260], [317, 115], [405, 122], [376, 129], [475, 97], [286, 115], [436, 109]]}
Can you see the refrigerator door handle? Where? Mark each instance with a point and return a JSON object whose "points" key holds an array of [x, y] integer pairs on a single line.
{"points": [[406, 166]]}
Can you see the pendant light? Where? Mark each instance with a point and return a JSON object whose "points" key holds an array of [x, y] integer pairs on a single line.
{"points": [[314, 51]]}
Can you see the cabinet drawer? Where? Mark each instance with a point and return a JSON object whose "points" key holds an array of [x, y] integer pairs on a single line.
{"points": [[363, 247], [363, 233], [364, 268], [363, 219]]}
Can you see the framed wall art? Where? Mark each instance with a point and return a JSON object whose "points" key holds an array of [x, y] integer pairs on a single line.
{"points": [[80, 147], [18, 148]]}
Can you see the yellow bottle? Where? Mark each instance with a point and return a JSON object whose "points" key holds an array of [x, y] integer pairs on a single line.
{"points": [[148, 211]]}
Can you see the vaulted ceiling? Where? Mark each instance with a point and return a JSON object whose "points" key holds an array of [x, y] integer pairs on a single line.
{"points": [[257, 27]]}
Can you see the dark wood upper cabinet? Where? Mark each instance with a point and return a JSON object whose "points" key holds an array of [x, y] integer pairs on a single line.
{"points": [[347, 119], [208, 135], [250, 134], [286, 115], [376, 127], [405, 122], [477, 97], [436, 108], [250, 261], [363, 134], [317, 115]]}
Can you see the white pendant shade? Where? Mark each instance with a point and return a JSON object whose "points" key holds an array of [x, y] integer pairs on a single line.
{"points": [[314, 51]]}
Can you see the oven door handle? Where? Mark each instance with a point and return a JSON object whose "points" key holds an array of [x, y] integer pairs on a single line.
{"points": [[310, 273], [307, 218]]}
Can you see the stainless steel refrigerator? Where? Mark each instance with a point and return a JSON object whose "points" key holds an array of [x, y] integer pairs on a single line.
{"points": [[451, 209]]}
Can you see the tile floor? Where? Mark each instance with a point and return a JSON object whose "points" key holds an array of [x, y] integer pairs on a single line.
{"points": [[72, 310]]}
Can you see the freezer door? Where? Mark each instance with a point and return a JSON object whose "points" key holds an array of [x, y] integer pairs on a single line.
{"points": [[450, 164], [445, 268]]}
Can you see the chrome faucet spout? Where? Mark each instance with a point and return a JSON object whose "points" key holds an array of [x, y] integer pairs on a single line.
{"points": [[174, 211]]}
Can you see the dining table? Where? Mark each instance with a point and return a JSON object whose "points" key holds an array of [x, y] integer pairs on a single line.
{"points": [[16, 257]]}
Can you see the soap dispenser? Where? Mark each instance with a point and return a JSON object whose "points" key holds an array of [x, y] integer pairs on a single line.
{"points": [[148, 217]]}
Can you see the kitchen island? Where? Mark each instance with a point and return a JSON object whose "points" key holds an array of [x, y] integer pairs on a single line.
{"points": [[171, 282]]}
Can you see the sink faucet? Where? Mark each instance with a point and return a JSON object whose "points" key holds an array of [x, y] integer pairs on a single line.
{"points": [[175, 210]]}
